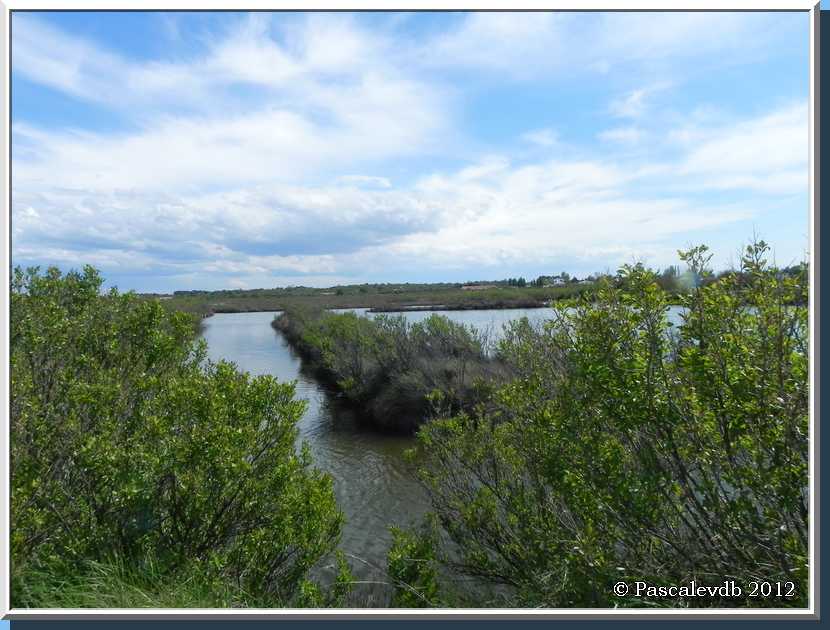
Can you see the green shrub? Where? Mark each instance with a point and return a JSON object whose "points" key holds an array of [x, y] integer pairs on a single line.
{"points": [[413, 568], [126, 442], [390, 367], [630, 450]]}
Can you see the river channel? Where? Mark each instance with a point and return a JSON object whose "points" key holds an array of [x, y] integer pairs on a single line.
{"points": [[374, 485]]}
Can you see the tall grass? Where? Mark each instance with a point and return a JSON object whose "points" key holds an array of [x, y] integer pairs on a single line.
{"points": [[117, 583]]}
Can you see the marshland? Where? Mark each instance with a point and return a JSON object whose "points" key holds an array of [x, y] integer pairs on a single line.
{"points": [[411, 459], [391, 309]]}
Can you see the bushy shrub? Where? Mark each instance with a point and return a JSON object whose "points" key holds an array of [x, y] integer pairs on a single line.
{"points": [[126, 443], [413, 568], [628, 449], [390, 367]]}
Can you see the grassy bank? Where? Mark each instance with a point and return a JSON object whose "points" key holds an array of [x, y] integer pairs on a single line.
{"points": [[469, 305], [378, 298], [397, 372], [116, 583]]}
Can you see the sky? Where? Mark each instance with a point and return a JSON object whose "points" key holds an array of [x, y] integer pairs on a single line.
{"points": [[246, 150]]}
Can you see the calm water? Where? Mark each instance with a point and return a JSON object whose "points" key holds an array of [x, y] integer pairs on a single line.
{"points": [[373, 484], [493, 321], [487, 321]]}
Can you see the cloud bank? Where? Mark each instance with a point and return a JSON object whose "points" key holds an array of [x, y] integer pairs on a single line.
{"points": [[327, 148]]}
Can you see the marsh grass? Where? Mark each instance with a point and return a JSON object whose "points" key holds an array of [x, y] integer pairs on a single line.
{"points": [[117, 583]]}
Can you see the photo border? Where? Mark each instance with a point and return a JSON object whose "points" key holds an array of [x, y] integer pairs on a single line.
{"points": [[811, 612]]}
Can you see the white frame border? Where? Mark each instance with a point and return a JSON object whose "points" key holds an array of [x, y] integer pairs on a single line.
{"points": [[811, 6]]}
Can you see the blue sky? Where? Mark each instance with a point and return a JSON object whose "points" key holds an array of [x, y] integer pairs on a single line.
{"points": [[233, 150]]}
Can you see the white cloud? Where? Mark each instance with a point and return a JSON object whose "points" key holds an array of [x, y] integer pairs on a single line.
{"points": [[489, 166], [519, 44], [636, 102], [526, 45], [626, 135], [67, 63], [297, 181], [302, 124], [365, 180], [766, 154], [261, 145], [719, 37], [541, 137], [548, 211], [631, 105], [296, 68], [488, 213]]}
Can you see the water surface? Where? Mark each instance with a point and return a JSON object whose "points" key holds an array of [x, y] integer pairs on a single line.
{"points": [[374, 486]]}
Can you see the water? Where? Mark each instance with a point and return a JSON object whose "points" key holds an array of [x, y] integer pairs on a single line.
{"points": [[374, 486], [490, 322], [493, 321]]}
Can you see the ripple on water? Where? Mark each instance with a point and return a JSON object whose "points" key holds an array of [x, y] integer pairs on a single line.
{"points": [[373, 485]]}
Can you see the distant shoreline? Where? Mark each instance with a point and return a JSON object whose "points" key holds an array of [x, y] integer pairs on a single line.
{"points": [[375, 298], [459, 307], [415, 308], [397, 309]]}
